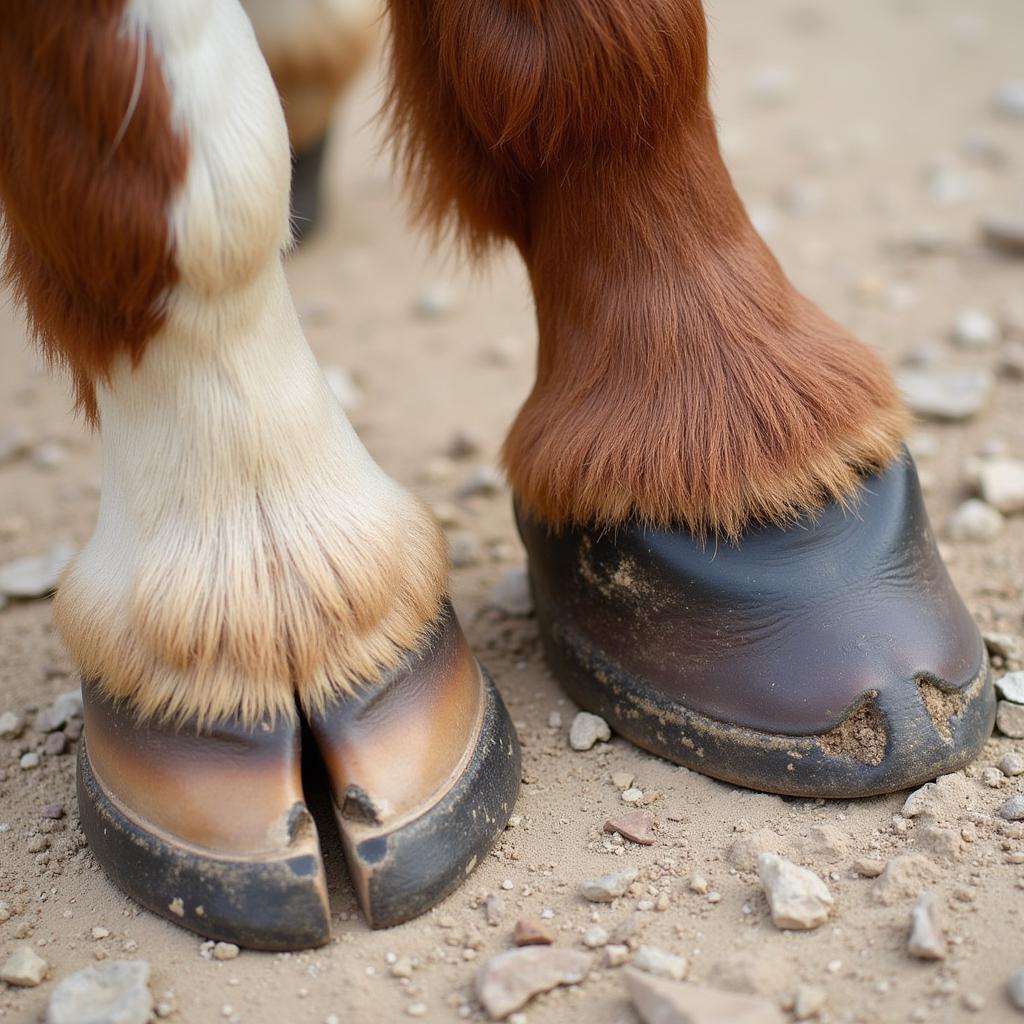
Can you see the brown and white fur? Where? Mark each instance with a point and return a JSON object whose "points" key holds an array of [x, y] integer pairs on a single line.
{"points": [[248, 550]]}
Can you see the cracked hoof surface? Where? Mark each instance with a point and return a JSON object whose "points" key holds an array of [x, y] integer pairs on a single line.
{"points": [[829, 658]]}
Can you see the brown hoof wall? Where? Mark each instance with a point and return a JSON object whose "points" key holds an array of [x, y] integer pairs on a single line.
{"points": [[418, 807], [210, 831], [830, 658]]}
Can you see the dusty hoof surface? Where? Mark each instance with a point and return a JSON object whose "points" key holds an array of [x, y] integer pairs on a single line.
{"points": [[210, 829], [831, 658], [424, 771]]}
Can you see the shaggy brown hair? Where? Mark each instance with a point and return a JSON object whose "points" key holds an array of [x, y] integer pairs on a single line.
{"points": [[681, 378]]}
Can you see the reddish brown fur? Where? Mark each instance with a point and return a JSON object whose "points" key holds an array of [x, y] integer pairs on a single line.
{"points": [[680, 378], [86, 180]]}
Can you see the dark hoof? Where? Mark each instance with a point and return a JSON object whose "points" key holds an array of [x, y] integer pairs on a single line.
{"points": [[307, 192], [424, 770], [209, 831], [832, 658]]}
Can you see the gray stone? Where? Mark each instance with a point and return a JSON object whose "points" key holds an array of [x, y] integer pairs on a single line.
{"points": [[24, 967], [1015, 989], [798, 898], [1004, 232], [945, 394], [586, 730], [1005, 646], [926, 941], [11, 725], [435, 301], [482, 482], [29, 761], [1011, 764], [66, 707], [1010, 719], [608, 887], [113, 993], [1011, 687], [1009, 99], [36, 575], [659, 963], [975, 520], [511, 594], [508, 981], [1013, 809], [974, 328], [1001, 482], [661, 1001], [595, 938]]}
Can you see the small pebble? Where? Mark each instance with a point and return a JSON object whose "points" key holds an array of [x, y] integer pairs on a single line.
{"points": [[530, 931], [1013, 809], [945, 394], [595, 938], [24, 968], [586, 730], [11, 725], [798, 898], [1015, 989], [636, 826], [511, 594], [1011, 687], [29, 761], [659, 963], [975, 520], [926, 941], [608, 887], [992, 777], [974, 328], [1010, 719], [225, 951], [1011, 764]]}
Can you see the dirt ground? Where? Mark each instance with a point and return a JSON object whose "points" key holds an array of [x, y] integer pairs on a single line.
{"points": [[865, 140]]}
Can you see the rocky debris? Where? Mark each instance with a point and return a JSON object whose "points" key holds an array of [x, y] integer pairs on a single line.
{"points": [[56, 744], [636, 826], [1009, 100], [661, 1001], [992, 777], [1011, 764], [1005, 647], [1015, 989], [657, 962], [869, 867], [52, 811], [29, 761], [531, 931], [826, 842], [508, 981], [586, 730], [1013, 809], [66, 707], [24, 967], [35, 575], [926, 941], [1001, 482], [797, 897], [595, 938], [904, 876], [494, 909], [974, 328], [622, 780], [1011, 687], [632, 795], [746, 849], [808, 1002], [511, 594], [1005, 233], [975, 520], [1010, 719], [435, 301], [945, 394], [945, 799], [616, 954], [225, 951], [608, 887], [11, 725], [482, 482], [698, 883], [112, 993]]}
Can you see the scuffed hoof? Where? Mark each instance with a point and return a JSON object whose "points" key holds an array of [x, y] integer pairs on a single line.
{"points": [[207, 830], [307, 190], [424, 771], [831, 658]]}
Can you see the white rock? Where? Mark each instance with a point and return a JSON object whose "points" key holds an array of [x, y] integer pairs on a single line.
{"points": [[1009, 99], [114, 993], [11, 725], [658, 962], [661, 1001], [436, 300], [608, 887], [945, 394], [798, 898], [595, 938], [1011, 764], [926, 941], [1001, 482], [1010, 719], [36, 575], [808, 1002], [29, 760], [586, 730], [67, 706], [511, 979], [225, 951], [616, 954], [1013, 809], [24, 967], [511, 594], [975, 520], [974, 328], [1011, 687], [1015, 989]]}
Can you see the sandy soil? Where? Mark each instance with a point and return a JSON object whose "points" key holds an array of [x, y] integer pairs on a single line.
{"points": [[867, 97]]}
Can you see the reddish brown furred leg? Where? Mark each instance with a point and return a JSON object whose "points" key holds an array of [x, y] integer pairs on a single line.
{"points": [[681, 378]]}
